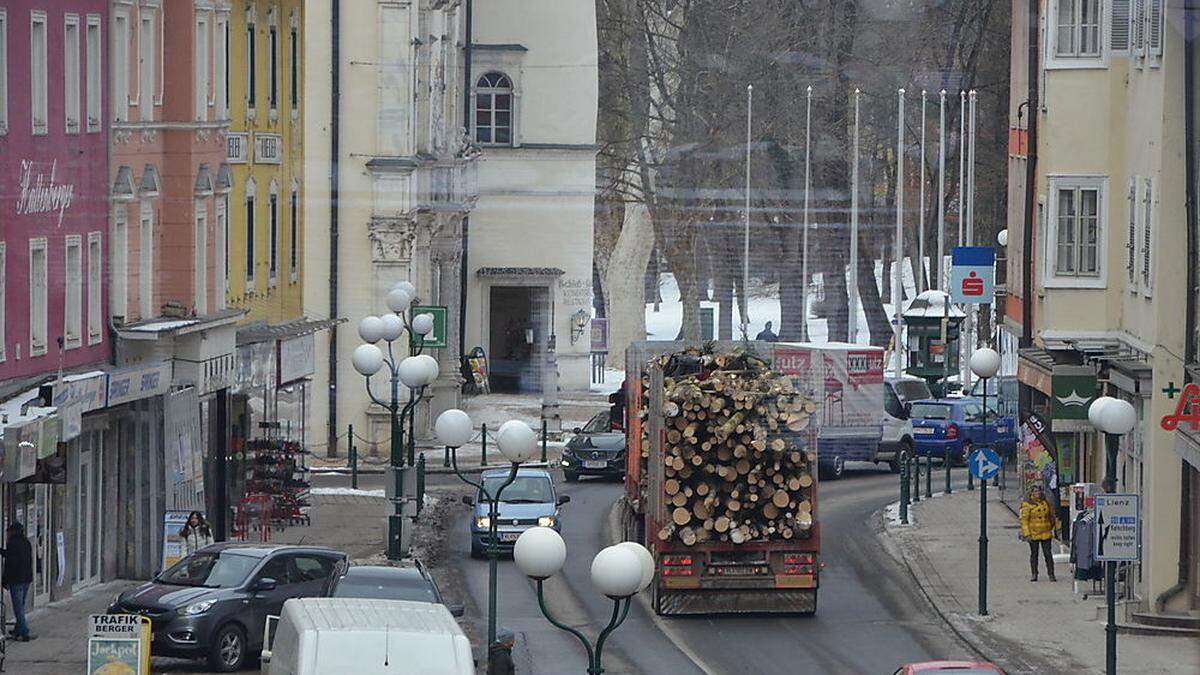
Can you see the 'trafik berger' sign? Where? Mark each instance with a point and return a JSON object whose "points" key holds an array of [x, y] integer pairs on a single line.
{"points": [[40, 193]]}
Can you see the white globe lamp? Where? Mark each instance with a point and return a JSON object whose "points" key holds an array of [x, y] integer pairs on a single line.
{"points": [[1002, 238], [1112, 415], [393, 326], [422, 324], [985, 362], [412, 372], [398, 300], [518, 443], [370, 329], [367, 359], [617, 572], [430, 365], [645, 558], [540, 552], [407, 287], [453, 428]]}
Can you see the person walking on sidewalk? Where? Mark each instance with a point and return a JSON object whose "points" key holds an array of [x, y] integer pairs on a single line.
{"points": [[18, 575], [1037, 528], [196, 534]]}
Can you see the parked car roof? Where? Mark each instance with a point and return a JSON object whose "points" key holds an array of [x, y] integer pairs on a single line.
{"points": [[369, 614], [523, 471], [260, 550]]}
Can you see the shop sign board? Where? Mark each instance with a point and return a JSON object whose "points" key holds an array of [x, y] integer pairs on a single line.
{"points": [[173, 522], [1072, 393], [297, 358], [972, 274], [437, 338], [1118, 536], [89, 391], [119, 644], [133, 384]]}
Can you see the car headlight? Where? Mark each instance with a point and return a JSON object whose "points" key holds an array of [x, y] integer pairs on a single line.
{"points": [[483, 522], [115, 604], [546, 521], [199, 607]]}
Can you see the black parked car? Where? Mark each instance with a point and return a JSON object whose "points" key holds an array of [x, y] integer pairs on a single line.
{"points": [[596, 449], [214, 603], [400, 580]]}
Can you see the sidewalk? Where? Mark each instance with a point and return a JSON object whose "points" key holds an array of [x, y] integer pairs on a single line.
{"points": [[350, 523], [1031, 627]]}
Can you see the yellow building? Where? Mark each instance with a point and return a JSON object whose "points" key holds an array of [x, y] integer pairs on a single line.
{"points": [[265, 149]]}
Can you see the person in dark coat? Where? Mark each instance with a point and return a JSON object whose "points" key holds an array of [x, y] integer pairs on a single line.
{"points": [[767, 335], [18, 575]]}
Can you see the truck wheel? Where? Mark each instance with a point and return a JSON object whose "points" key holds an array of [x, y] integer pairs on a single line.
{"points": [[835, 469], [903, 452]]}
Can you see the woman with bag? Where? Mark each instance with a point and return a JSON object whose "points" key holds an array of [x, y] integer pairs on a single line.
{"points": [[1037, 528]]}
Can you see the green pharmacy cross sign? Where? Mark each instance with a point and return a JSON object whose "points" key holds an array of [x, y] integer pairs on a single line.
{"points": [[438, 337], [1072, 395]]}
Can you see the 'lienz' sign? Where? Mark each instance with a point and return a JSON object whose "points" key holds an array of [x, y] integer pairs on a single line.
{"points": [[40, 193]]}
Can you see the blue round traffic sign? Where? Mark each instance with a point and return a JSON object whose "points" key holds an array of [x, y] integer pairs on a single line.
{"points": [[984, 463]]}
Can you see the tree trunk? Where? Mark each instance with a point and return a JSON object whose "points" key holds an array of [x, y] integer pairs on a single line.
{"points": [[626, 303], [878, 324]]}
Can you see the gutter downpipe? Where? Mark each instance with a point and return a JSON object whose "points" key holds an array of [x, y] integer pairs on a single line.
{"points": [[466, 221], [1030, 181], [1190, 10], [334, 175]]}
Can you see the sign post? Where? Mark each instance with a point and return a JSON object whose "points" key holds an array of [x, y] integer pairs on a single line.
{"points": [[1118, 539], [984, 464], [119, 643]]}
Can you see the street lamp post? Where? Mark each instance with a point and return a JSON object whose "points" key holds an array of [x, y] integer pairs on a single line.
{"points": [[985, 363], [619, 572], [1115, 418], [518, 443], [415, 372]]}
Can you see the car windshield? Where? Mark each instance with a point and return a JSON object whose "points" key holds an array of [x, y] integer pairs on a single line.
{"points": [[220, 569], [931, 411], [524, 490], [600, 423], [384, 588]]}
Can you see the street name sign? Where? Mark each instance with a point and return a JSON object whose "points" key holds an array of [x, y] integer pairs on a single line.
{"points": [[972, 274], [1118, 528], [437, 338], [984, 463]]}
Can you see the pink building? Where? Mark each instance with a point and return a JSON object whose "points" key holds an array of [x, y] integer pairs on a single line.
{"points": [[53, 186]]}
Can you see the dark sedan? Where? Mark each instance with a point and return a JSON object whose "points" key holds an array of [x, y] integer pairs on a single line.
{"points": [[214, 603], [596, 449], [401, 580]]}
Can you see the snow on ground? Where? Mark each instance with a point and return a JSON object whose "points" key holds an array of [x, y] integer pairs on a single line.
{"points": [[613, 379], [345, 492]]}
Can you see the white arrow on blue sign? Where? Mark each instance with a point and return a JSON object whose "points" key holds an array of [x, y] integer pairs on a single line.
{"points": [[984, 463]]}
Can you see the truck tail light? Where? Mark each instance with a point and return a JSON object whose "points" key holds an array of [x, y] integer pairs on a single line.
{"points": [[792, 570], [952, 431], [677, 560], [797, 558], [676, 572]]}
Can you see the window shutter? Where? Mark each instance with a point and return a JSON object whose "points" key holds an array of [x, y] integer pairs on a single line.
{"points": [[1138, 25], [1148, 235], [1132, 245], [1118, 26], [1154, 26]]}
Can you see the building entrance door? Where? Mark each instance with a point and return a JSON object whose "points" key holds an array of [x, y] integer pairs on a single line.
{"points": [[88, 508], [518, 327]]}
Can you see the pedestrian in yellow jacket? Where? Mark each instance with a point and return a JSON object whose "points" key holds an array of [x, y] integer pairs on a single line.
{"points": [[1037, 528]]}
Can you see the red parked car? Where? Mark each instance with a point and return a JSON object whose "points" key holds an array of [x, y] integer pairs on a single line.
{"points": [[950, 668]]}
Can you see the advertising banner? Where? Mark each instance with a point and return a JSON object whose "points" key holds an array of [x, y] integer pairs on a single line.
{"points": [[119, 644], [184, 465], [173, 522]]}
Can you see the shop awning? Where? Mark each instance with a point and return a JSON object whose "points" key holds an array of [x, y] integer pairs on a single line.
{"points": [[519, 272], [262, 331]]}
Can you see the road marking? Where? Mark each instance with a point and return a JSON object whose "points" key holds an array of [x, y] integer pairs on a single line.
{"points": [[612, 527]]}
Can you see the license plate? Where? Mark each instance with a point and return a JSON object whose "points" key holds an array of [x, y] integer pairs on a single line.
{"points": [[594, 464], [509, 536], [922, 430]]}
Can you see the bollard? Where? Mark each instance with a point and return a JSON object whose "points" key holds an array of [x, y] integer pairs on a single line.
{"points": [[353, 458], [916, 476], [420, 482], [970, 477], [543, 440], [483, 439], [929, 475], [946, 463], [904, 491]]}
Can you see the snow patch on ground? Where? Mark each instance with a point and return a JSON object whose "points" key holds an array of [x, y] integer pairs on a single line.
{"points": [[891, 514], [345, 492], [613, 379]]}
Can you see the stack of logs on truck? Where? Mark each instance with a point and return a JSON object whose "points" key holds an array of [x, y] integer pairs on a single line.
{"points": [[721, 480]]}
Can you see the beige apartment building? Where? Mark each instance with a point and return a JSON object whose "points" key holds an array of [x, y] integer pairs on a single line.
{"points": [[1102, 248]]}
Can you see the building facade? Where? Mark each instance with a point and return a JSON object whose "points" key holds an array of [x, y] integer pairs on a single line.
{"points": [[1098, 274], [529, 259], [403, 182], [53, 282]]}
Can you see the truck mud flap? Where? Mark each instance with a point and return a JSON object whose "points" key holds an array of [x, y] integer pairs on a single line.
{"points": [[679, 603]]}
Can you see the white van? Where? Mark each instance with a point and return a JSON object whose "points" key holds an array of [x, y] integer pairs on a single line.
{"points": [[322, 636]]}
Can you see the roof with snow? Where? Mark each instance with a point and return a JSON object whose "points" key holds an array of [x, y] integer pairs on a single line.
{"points": [[931, 304]]}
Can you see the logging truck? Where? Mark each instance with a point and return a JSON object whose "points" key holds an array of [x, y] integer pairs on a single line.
{"points": [[721, 475]]}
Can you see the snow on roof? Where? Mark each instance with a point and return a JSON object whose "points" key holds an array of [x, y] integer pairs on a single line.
{"points": [[10, 410], [159, 326], [932, 304]]}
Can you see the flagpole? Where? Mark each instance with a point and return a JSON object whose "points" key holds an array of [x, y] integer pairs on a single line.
{"points": [[744, 300], [942, 190], [898, 247], [804, 257], [919, 270], [853, 283]]}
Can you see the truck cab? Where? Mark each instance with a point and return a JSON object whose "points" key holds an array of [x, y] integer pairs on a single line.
{"points": [[897, 440]]}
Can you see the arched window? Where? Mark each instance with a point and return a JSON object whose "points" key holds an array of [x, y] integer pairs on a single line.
{"points": [[493, 109]]}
